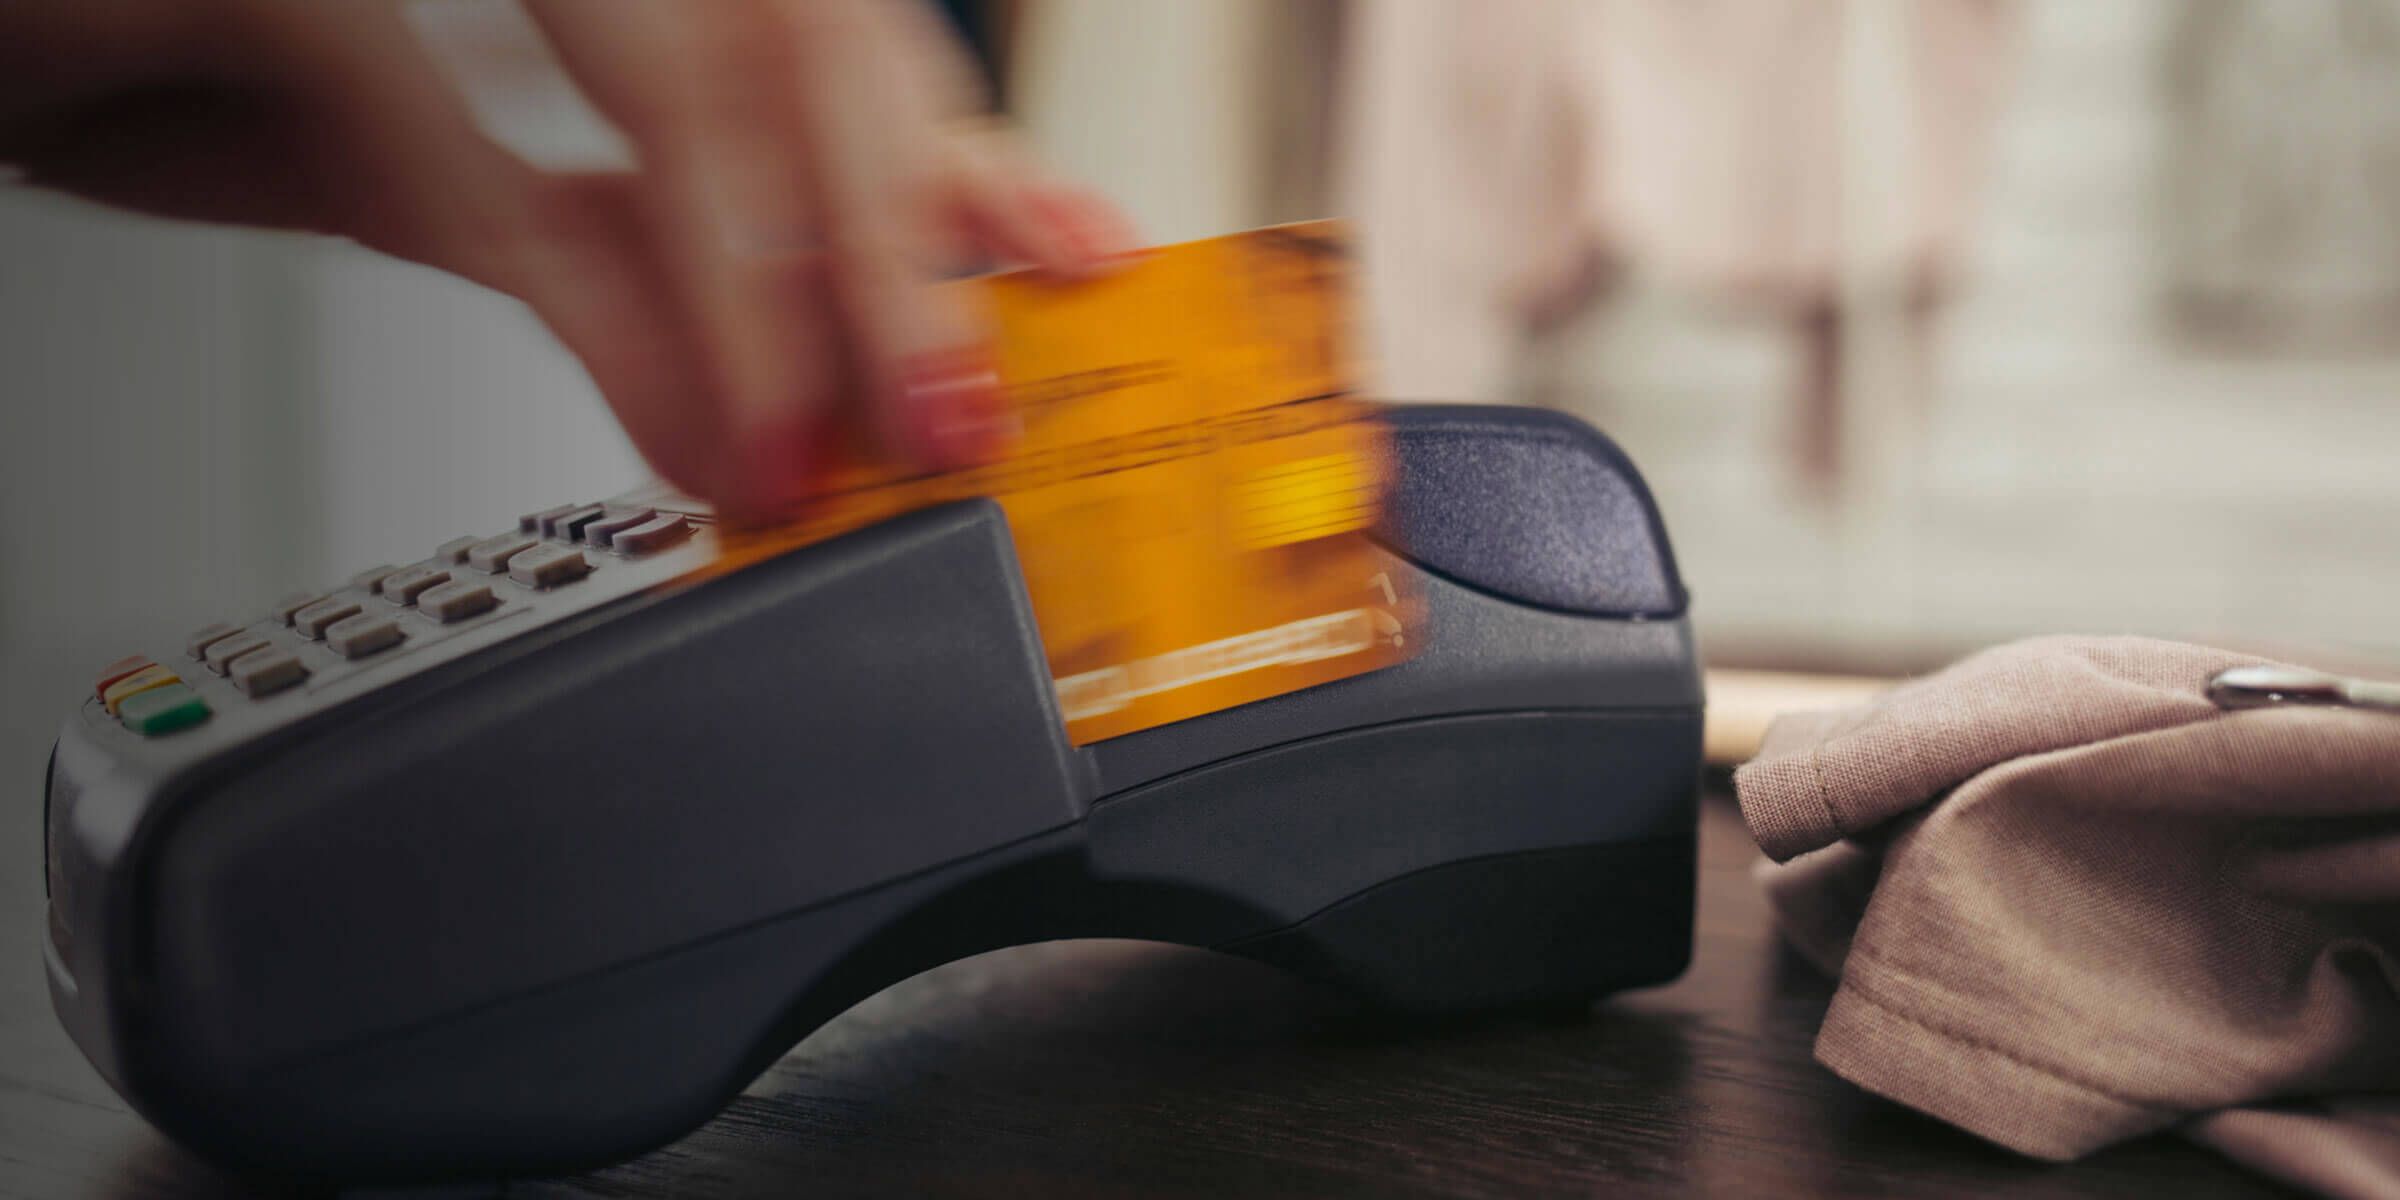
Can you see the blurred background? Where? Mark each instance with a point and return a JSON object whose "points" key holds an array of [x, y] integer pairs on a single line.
{"points": [[1932, 323]]}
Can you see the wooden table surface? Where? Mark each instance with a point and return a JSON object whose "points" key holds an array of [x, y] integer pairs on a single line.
{"points": [[1119, 1068]]}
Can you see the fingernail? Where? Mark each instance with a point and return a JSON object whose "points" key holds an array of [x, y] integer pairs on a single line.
{"points": [[954, 404]]}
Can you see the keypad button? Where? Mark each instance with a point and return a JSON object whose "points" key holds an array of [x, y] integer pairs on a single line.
{"points": [[163, 710], [491, 555], [568, 527], [403, 586], [455, 550], [549, 566], [267, 672], [614, 522], [532, 522], [285, 608], [362, 635], [135, 684], [371, 580], [199, 642], [226, 650], [119, 670], [457, 601], [653, 535], [313, 620]]}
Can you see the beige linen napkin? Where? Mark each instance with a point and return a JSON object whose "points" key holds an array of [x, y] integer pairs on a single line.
{"points": [[2070, 902]]}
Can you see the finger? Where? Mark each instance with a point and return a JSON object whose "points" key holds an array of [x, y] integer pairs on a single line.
{"points": [[435, 189], [1007, 205], [604, 291], [926, 53], [704, 93], [1101, 229], [334, 119], [1007, 211], [59, 58], [877, 152], [329, 119], [396, 160]]}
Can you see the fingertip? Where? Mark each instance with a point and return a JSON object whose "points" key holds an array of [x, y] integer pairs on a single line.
{"points": [[1094, 237], [1107, 233]]}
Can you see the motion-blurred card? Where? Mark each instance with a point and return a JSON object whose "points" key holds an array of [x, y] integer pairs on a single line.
{"points": [[1193, 486]]}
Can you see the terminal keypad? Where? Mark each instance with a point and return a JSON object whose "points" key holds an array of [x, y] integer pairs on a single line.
{"points": [[309, 638]]}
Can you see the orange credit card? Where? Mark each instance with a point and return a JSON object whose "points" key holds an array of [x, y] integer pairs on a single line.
{"points": [[1193, 487]]}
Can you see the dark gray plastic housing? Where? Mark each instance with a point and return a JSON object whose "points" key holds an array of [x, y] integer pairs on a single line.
{"points": [[551, 889]]}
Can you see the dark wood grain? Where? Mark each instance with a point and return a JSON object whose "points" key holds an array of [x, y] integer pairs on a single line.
{"points": [[1115, 1068]]}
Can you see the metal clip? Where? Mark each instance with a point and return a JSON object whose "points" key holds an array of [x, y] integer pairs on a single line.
{"points": [[2267, 687]]}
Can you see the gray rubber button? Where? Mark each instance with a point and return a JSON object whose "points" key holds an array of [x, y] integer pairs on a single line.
{"points": [[568, 526], [455, 550], [491, 555], [617, 521], [362, 635], [286, 607], [225, 650], [267, 672], [313, 620], [457, 600], [533, 522], [549, 566], [371, 580], [654, 535], [200, 641], [404, 586]]}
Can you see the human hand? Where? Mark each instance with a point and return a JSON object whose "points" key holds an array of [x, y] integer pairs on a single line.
{"points": [[803, 180]]}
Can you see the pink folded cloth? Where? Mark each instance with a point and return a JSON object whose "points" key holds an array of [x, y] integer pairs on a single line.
{"points": [[2070, 901]]}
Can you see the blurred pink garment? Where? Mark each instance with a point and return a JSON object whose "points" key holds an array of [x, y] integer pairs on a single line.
{"points": [[1498, 155], [2071, 902]]}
